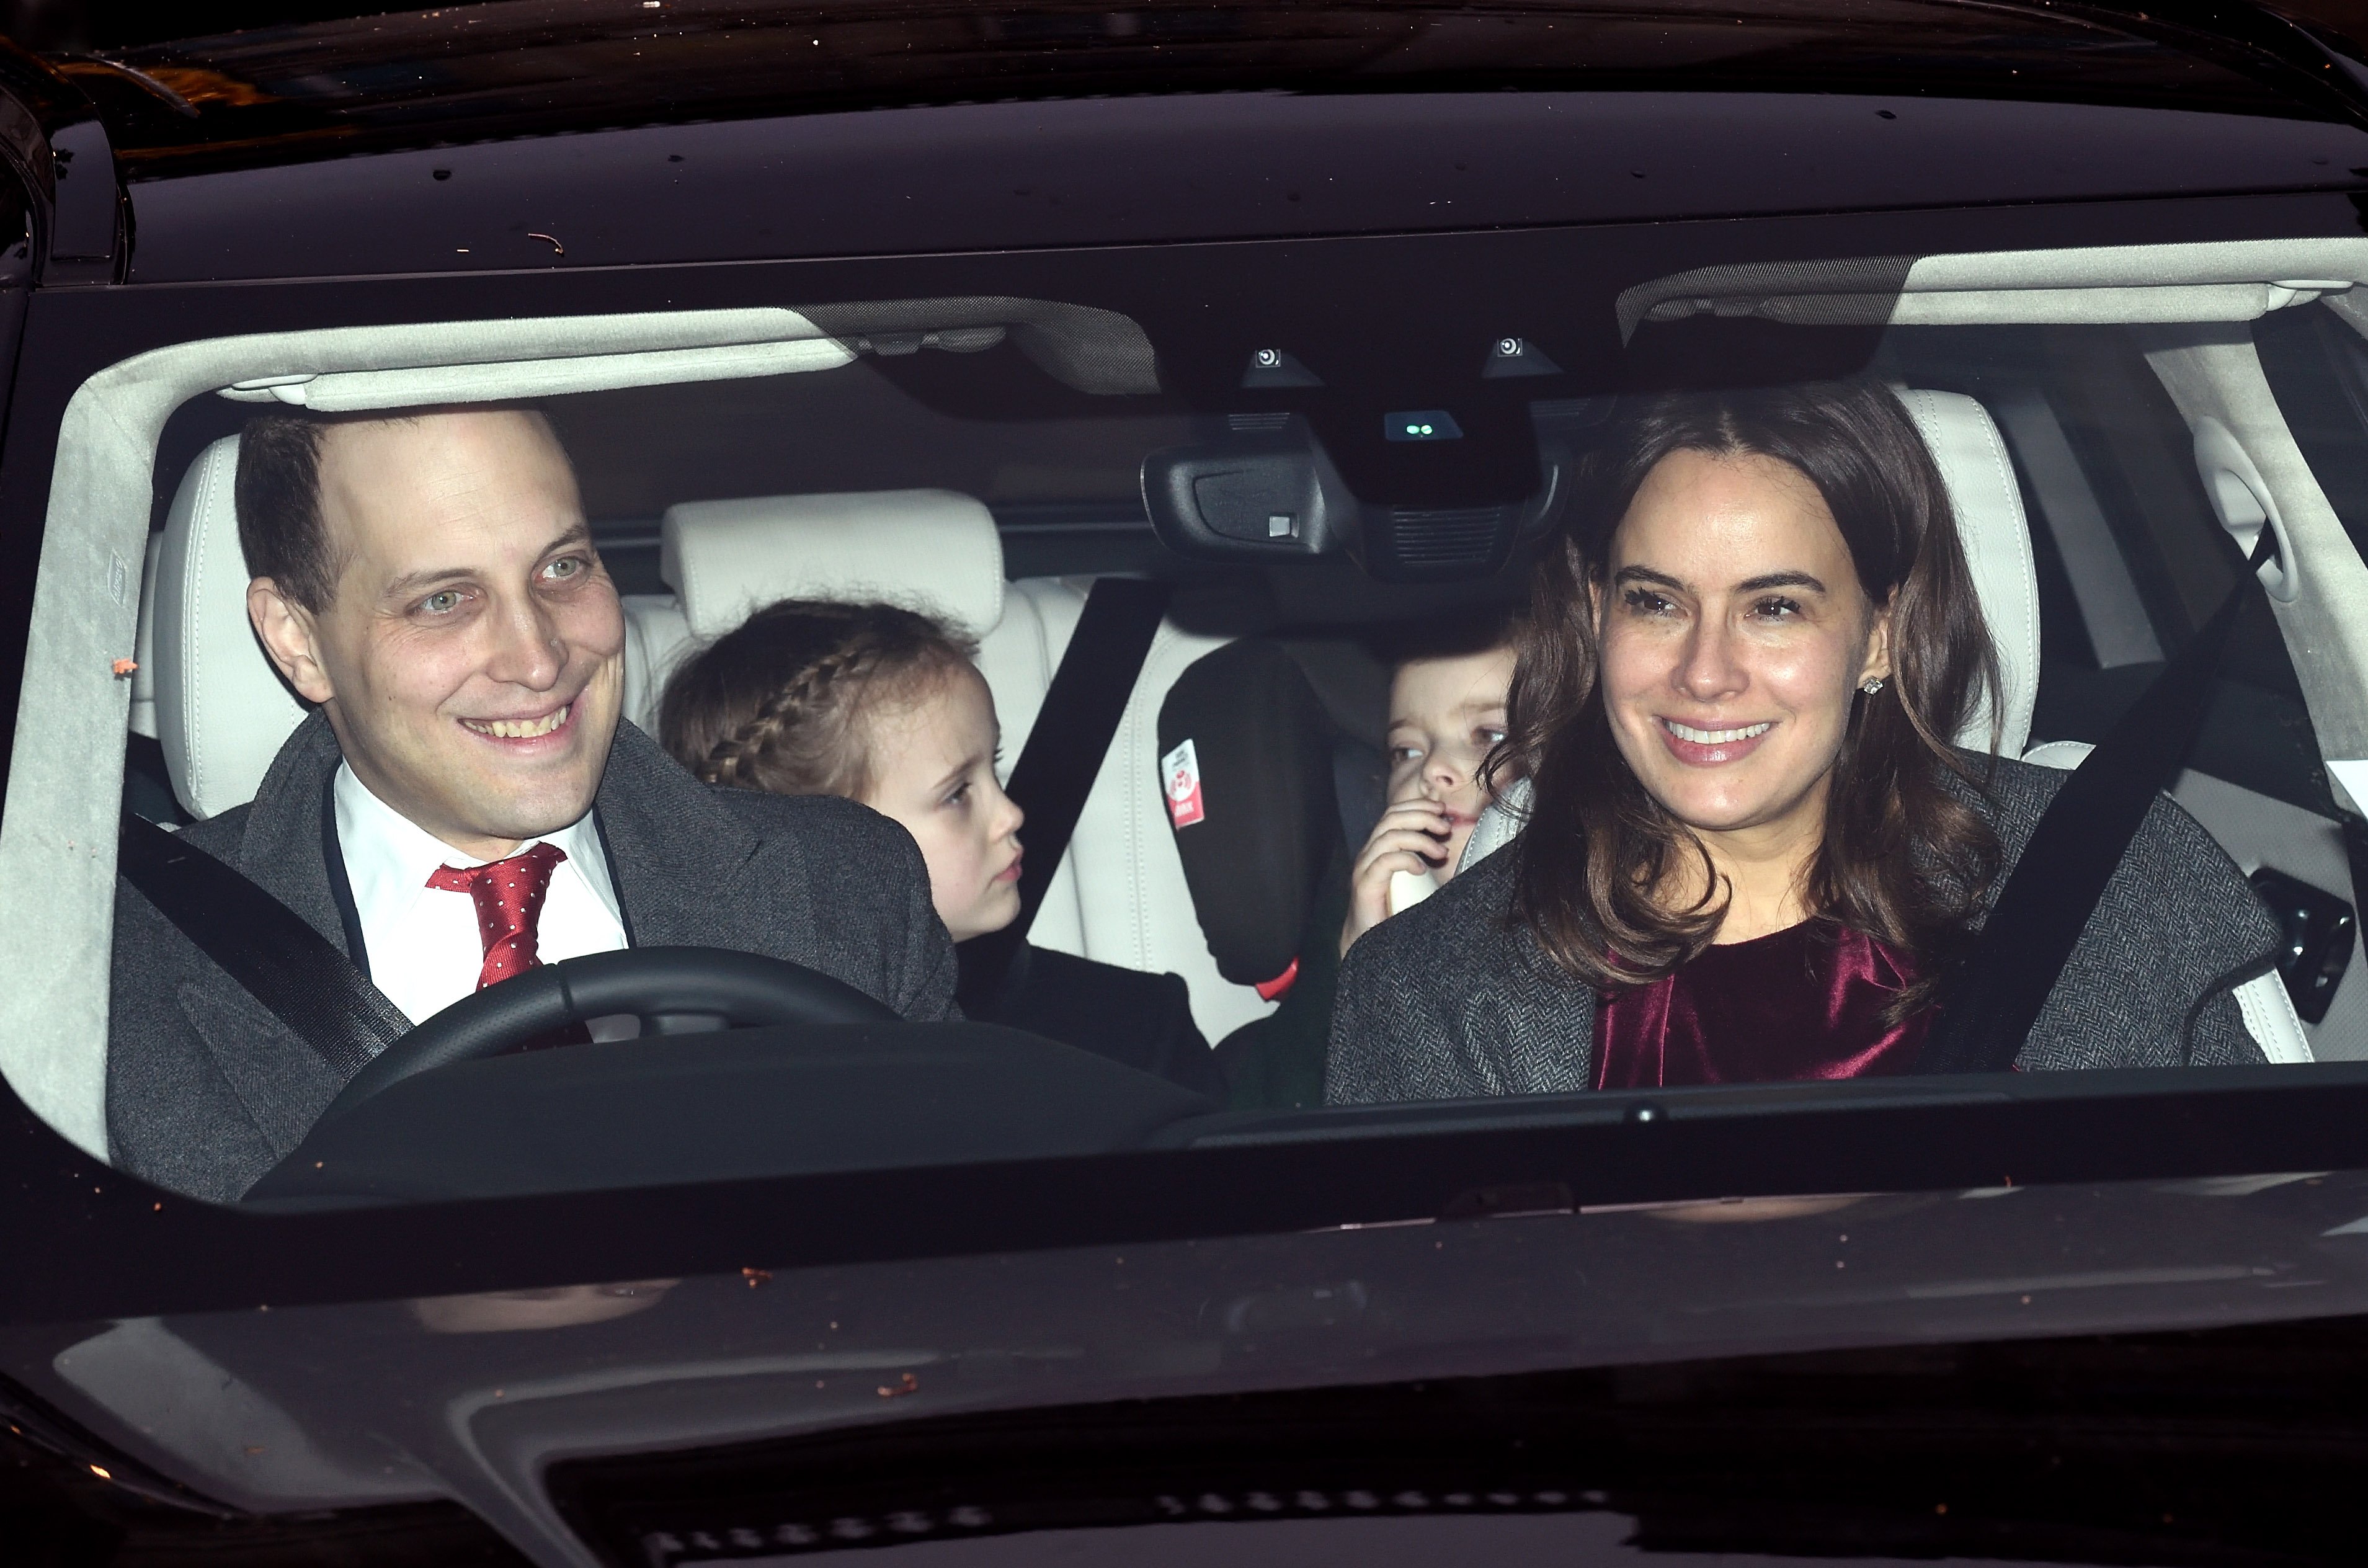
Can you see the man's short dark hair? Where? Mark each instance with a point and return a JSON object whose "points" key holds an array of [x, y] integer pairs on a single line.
{"points": [[277, 492]]}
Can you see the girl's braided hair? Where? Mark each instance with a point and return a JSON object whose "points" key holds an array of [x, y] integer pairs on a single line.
{"points": [[777, 704]]}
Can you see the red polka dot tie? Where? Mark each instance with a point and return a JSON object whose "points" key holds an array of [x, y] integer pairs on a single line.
{"points": [[508, 895]]}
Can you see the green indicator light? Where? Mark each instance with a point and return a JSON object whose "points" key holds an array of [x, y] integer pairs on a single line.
{"points": [[1419, 425]]}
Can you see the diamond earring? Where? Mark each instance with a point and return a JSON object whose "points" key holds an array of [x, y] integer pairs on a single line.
{"points": [[1871, 685]]}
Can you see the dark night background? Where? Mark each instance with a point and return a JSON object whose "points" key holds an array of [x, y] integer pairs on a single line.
{"points": [[43, 25]]}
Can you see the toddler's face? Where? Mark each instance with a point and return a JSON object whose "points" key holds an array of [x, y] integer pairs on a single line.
{"points": [[933, 770], [1445, 714]]}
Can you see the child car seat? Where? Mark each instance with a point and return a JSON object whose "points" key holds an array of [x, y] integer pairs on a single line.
{"points": [[1267, 793]]}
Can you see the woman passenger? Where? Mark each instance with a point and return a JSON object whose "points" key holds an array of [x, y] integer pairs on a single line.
{"points": [[883, 705], [1751, 847]]}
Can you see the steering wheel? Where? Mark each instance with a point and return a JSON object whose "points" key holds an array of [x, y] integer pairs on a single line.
{"points": [[653, 984]]}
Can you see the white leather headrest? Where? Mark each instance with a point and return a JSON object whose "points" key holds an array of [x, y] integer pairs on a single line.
{"points": [[1973, 460], [221, 713], [928, 549]]}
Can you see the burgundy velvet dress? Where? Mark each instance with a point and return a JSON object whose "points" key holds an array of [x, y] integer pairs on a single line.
{"points": [[1806, 1002]]}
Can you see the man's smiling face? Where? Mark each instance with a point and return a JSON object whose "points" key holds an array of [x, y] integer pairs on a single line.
{"points": [[470, 658]]}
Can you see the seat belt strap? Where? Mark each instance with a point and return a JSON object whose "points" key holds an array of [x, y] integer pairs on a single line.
{"points": [[1987, 1009], [1083, 706], [274, 955]]}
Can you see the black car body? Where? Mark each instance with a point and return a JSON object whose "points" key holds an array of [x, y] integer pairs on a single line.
{"points": [[2080, 1317]]}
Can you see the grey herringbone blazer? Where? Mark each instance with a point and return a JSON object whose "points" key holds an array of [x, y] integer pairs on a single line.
{"points": [[206, 1091], [1449, 999]]}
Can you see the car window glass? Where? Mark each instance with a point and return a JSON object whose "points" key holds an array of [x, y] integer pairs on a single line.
{"points": [[1315, 865]]}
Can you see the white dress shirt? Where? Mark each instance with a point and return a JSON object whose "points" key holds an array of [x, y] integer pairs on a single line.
{"points": [[424, 945]]}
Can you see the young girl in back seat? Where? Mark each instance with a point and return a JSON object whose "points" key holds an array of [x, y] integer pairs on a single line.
{"points": [[883, 706]]}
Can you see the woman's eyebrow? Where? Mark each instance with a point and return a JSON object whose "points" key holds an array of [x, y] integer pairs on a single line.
{"points": [[1646, 575], [1779, 580]]}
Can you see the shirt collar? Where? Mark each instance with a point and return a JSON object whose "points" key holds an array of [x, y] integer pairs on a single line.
{"points": [[389, 858]]}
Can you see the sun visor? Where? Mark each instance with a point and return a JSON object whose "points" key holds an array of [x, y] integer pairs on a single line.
{"points": [[1095, 351], [1091, 350], [345, 391], [2218, 281], [1809, 293], [552, 358]]}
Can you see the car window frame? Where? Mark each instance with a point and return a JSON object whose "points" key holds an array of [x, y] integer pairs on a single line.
{"points": [[119, 1246]]}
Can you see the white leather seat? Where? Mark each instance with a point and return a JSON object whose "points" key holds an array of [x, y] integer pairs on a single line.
{"points": [[1120, 895], [930, 550], [1972, 456], [222, 711]]}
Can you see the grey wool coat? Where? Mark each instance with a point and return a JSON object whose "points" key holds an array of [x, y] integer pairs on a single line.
{"points": [[1449, 1000], [205, 1089]]}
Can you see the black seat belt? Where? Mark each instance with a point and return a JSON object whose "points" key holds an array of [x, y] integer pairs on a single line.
{"points": [[1083, 706], [1987, 1008], [274, 956]]}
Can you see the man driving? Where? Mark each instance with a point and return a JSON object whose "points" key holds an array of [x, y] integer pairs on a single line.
{"points": [[464, 803]]}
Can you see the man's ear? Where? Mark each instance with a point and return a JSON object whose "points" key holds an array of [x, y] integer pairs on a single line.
{"points": [[289, 636]]}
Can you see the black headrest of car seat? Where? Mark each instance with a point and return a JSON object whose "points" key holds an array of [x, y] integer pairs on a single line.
{"points": [[1275, 772]]}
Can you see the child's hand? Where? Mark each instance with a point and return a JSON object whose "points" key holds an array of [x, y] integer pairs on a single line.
{"points": [[1411, 837]]}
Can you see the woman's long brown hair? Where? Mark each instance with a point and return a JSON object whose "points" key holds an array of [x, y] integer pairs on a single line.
{"points": [[1903, 860]]}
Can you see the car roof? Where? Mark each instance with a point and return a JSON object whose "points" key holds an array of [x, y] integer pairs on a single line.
{"points": [[532, 133], [457, 73]]}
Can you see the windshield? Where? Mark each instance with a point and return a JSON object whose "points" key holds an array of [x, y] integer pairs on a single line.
{"points": [[1166, 700]]}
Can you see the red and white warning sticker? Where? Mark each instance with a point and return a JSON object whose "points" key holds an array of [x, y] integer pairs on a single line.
{"points": [[1179, 776]]}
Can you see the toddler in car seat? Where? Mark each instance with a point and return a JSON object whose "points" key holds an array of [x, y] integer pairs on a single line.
{"points": [[883, 705], [1448, 689], [1328, 835]]}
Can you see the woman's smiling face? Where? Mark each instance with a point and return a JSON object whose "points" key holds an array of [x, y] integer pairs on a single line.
{"points": [[1734, 635]]}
